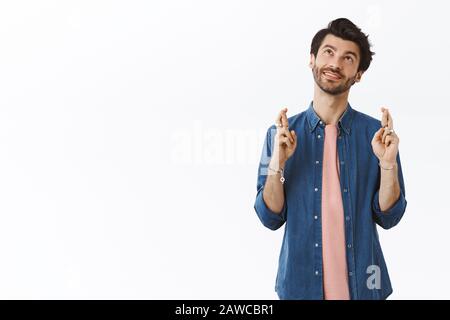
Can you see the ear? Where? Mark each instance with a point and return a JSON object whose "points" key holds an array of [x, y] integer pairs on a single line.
{"points": [[358, 76], [312, 60]]}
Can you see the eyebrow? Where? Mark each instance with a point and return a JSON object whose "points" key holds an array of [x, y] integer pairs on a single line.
{"points": [[334, 48]]}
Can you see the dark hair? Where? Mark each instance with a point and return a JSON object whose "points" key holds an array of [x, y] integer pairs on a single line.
{"points": [[347, 30]]}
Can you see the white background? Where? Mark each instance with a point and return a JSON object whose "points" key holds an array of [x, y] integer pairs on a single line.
{"points": [[130, 133]]}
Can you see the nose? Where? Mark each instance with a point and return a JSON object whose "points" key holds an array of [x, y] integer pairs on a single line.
{"points": [[335, 64]]}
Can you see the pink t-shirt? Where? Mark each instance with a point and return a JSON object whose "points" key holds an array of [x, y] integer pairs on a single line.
{"points": [[335, 276]]}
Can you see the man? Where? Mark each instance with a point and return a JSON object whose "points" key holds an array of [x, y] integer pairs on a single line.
{"points": [[331, 173]]}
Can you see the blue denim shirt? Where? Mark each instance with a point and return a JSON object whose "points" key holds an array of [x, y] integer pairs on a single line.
{"points": [[300, 261]]}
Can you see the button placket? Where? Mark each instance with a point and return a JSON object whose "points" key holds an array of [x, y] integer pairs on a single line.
{"points": [[347, 214], [318, 140]]}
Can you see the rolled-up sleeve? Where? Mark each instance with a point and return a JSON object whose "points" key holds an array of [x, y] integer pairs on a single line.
{"points": [[390, 218], [268, 218]]}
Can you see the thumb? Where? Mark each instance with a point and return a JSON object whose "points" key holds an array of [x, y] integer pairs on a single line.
{"points": [[294, 136], [378, 134]]}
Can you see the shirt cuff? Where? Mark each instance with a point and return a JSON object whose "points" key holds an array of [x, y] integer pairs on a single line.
{"points": [[269, 218], [389, 218]]}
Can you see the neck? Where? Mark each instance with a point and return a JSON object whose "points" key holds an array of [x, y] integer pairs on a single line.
{"points": [[329, 107]]}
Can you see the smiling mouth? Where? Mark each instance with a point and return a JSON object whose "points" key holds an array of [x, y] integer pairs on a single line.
{"points": [[331, 75]]}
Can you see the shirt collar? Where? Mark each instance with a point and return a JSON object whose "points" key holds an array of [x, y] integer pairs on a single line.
{"points": [[344, 122]]}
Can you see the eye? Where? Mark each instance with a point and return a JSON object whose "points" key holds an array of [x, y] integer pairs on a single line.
{"points": [[349, 59], [328, 51]]}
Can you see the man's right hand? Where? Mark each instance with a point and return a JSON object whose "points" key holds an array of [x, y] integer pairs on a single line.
{"points": [[285, 141]]}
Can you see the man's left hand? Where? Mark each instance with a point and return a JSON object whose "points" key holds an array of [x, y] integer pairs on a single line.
{"points": [[385, 141]]}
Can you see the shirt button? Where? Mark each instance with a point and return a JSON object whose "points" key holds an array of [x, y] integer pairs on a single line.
{"points": [[349, 245], [339, 137], [315, 217], [321, 122], [317, 272], [350, 273], [317, 245], [317, 161], [318, 136], [345, 190], [347, 218], [315, 189], [342, 162]]}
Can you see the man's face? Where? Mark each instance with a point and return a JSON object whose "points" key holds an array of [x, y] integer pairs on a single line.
{"points": [[335, 67]]}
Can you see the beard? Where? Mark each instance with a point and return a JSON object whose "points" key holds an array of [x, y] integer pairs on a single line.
{"points": [[332, 87]]}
